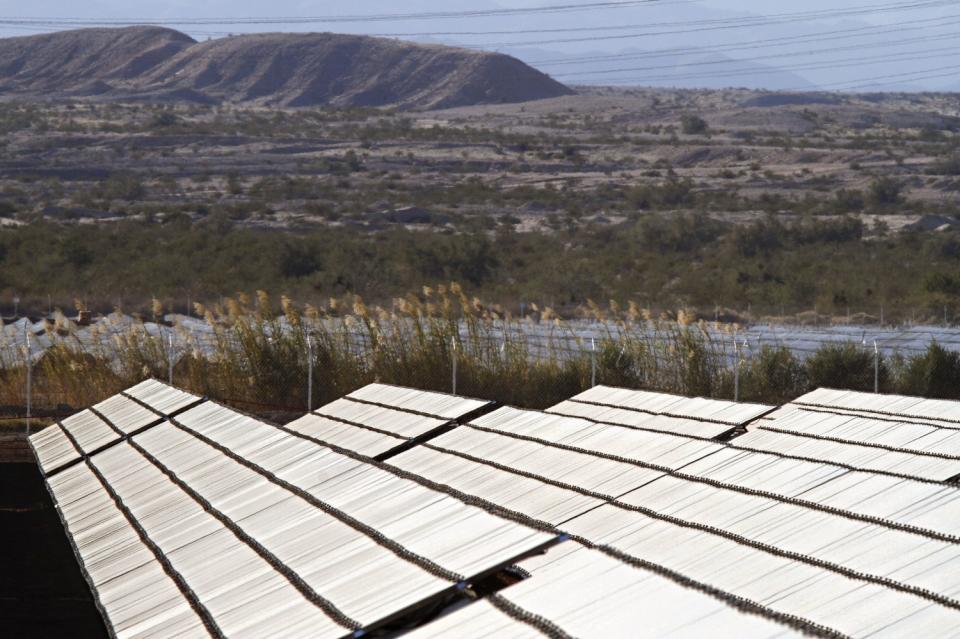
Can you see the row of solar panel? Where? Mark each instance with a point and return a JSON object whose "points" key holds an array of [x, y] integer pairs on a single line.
{"points": [[818, 544]]}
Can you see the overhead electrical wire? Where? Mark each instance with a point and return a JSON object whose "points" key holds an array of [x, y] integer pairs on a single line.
{"points": [[791, 54], [836, 64], [744, 20], [863, 83], [721, 26], [294, 20], [384, 17], [822, 36]]}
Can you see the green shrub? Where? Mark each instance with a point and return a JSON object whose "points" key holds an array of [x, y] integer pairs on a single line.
{"points": [[693, 124], [935, 373], [847, 366], [774, 376]]}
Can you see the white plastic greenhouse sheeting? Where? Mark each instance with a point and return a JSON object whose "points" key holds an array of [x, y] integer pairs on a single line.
{"points": [[586, 593]]}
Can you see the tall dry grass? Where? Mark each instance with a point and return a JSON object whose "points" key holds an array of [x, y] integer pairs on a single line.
{"points": [[255, 354]]}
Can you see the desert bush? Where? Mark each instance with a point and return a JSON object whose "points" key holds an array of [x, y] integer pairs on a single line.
{"points": [[935, 373], [774, 375], [886, 192], [847, 366], [693, 124]]}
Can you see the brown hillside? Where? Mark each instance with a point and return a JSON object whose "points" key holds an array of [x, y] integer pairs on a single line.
{"points": [[265, 69], [72, 60], [321, 68]]}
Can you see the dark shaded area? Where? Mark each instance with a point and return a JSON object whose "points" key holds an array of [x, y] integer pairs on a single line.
{"points": [[42, 591]]}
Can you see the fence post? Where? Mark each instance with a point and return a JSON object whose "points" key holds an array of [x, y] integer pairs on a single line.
{"points": [[29, 381], [309, 374], [170, 359], [453, 381], [876, 368], [736, 370], [593, 362]]}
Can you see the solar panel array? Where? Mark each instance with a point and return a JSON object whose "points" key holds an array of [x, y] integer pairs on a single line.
{"points": [[907, 436], [392, 500], [660, 412], [207, 522], [379, 420], [822, 547]]}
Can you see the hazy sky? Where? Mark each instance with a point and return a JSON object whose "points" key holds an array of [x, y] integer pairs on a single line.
{"points": [[908, 48]]}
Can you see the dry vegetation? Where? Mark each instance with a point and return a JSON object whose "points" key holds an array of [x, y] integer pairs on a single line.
{"points": [[758, 202], [258, 357]]}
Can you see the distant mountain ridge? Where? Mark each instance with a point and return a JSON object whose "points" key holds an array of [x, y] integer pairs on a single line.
{"points": [[273, 69]]}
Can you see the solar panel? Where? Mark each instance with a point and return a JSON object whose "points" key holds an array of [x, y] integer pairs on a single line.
{"points": [[229, 525], [583, 435], [437, 404], [162, 398], [226, 525], [753, 505], [579, 592], [107, 423], [53, 449], [907, 436], [89, 431], [380, 420], [697, 417], [797, 589], [131, 586], [858, 456]]}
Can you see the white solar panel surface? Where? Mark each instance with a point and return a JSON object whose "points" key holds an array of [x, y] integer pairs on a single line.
{"points": [[885, 433], [53, 449], [137, 596], [706, 515], [696, 417], [438, 404], [377, 419], [799, 589], [585, 593], [161, 397], [223, 522], [214, 520]]}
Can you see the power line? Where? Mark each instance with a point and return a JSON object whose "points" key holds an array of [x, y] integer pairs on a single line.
{"points": [[745, 20], [823, 36], [910, 75], [384, 17], [838, 64], [760, 21], [791, 54]]}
